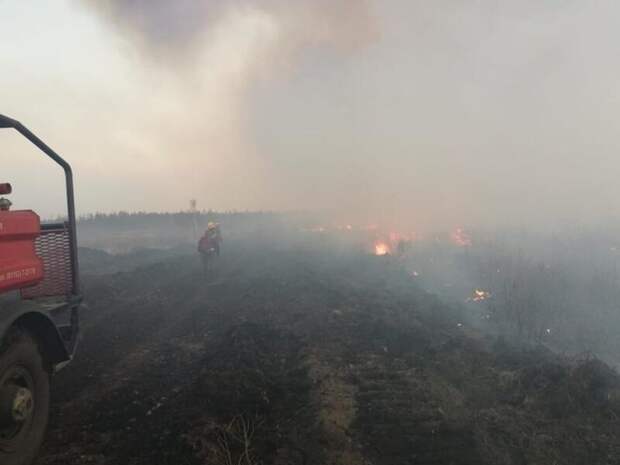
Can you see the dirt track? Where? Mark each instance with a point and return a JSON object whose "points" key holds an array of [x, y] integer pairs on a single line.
{"points": [[290, 357]]}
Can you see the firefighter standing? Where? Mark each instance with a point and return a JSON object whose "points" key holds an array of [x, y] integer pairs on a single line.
{"points": [[209, 244]]}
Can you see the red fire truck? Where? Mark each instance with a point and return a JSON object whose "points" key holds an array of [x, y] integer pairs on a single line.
{"points": [[39, 304]]}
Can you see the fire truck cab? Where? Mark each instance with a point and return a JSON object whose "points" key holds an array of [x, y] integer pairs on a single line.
{"points": [[39, 303]]}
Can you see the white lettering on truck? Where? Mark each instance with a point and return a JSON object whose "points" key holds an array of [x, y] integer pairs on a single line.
{"points": [[18, 274]]}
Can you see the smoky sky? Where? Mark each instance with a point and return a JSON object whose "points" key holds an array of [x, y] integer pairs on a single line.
{"points": [[425, 114], [172, 30]]}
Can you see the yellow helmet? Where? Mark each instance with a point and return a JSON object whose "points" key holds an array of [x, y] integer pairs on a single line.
{"points": [[211, 225]]}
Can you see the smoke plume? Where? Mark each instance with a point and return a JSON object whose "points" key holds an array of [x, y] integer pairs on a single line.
{"points": [[203, 57], [172, 29]]}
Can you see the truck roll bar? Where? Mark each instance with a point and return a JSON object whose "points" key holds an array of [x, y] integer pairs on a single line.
{"points": [[6, 122]]}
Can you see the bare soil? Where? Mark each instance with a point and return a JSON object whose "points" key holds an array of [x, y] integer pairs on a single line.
{"points": [[292, 356]]}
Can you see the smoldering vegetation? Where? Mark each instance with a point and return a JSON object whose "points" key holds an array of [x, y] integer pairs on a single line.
{"points": [[559, 289], [379, 333], [311, 343]]}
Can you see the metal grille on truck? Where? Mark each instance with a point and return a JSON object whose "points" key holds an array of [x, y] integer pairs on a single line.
{"points": [[53, 246]]}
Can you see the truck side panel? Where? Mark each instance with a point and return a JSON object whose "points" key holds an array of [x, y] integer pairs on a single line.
{"points": [[19, 264]]}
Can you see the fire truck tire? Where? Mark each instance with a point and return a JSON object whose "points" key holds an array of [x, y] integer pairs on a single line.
{"points": [[24, 398]]}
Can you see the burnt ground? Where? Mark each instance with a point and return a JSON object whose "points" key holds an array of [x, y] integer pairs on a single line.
{"points": [[289, 356]]}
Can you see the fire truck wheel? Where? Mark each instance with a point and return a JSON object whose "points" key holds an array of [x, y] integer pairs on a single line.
{"points": [[24, 399]]}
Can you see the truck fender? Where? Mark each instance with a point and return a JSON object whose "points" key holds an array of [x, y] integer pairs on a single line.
{"points": [[40, 325]]}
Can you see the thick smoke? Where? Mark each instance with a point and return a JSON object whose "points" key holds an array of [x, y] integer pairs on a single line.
{"points": [[172, 29], [445, 114], [203, 58]]}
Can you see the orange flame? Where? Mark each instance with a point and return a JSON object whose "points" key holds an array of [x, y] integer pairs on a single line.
{"points": [[479, 295], [381, 248], [461, 238]]}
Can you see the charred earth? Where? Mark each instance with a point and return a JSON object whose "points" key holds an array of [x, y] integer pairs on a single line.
{"points": [[297, 356]]}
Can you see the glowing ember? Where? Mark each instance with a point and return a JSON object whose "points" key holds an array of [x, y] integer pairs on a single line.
{"points": [[381, 248], [461, 238], [479, 295]]}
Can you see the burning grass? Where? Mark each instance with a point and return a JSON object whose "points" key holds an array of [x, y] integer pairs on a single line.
{"points": [[381, 248], [479, 295]]}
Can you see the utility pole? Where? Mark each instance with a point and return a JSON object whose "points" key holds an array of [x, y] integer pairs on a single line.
{"points": [[194, 212]]}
